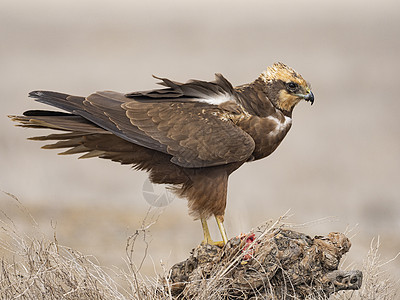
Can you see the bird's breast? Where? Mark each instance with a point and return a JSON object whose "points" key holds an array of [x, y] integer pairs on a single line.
{"points": [[267, 132]]}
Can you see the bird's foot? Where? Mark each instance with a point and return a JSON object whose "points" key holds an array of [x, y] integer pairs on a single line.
{"points": [[207, 237], [209, 241]]}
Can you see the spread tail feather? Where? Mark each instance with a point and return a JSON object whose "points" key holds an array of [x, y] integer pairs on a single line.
{"points": [[60, 100], [56, 120]]}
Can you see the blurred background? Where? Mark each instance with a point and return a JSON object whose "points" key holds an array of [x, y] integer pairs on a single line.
{"points": [[337, 170]]}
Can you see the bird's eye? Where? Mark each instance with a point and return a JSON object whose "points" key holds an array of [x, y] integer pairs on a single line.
{"points": [[292, 86]]}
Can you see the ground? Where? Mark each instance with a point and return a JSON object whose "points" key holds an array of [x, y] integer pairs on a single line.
{"points": [[336, 170]]}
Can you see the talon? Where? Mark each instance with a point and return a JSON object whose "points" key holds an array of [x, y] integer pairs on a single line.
{"points": [[211, 242]]}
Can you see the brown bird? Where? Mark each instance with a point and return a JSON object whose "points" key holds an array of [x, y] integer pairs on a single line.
{"points": [[191, 135]]}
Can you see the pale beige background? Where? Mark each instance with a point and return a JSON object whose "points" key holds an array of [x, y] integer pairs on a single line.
{"points": [[340, 161]]}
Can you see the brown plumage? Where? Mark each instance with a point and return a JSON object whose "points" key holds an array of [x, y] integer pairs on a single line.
{"points": [[190, 135]]}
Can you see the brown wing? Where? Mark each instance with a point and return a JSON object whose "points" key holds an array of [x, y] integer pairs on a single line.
{"points": [[194, 133], [187, 92]]}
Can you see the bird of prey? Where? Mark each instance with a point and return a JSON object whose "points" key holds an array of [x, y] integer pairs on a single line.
{"points": [[191, 135]]}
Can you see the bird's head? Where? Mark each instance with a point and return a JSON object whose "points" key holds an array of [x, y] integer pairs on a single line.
{"points": [[285, 87]]}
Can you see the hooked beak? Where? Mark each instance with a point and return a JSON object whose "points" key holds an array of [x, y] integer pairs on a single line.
{"points": [[309, 97]]}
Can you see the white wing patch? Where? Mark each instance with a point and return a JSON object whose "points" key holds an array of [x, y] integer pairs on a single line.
{"points": [[219, 99], [280, 126]]}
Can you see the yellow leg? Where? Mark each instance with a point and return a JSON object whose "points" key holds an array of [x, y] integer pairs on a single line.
{"points": [[206, 232], [220, 222], [207, 236]]}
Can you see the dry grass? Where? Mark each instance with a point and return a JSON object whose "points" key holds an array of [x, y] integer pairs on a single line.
{"points": [[377, 282], [33, 266]]}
